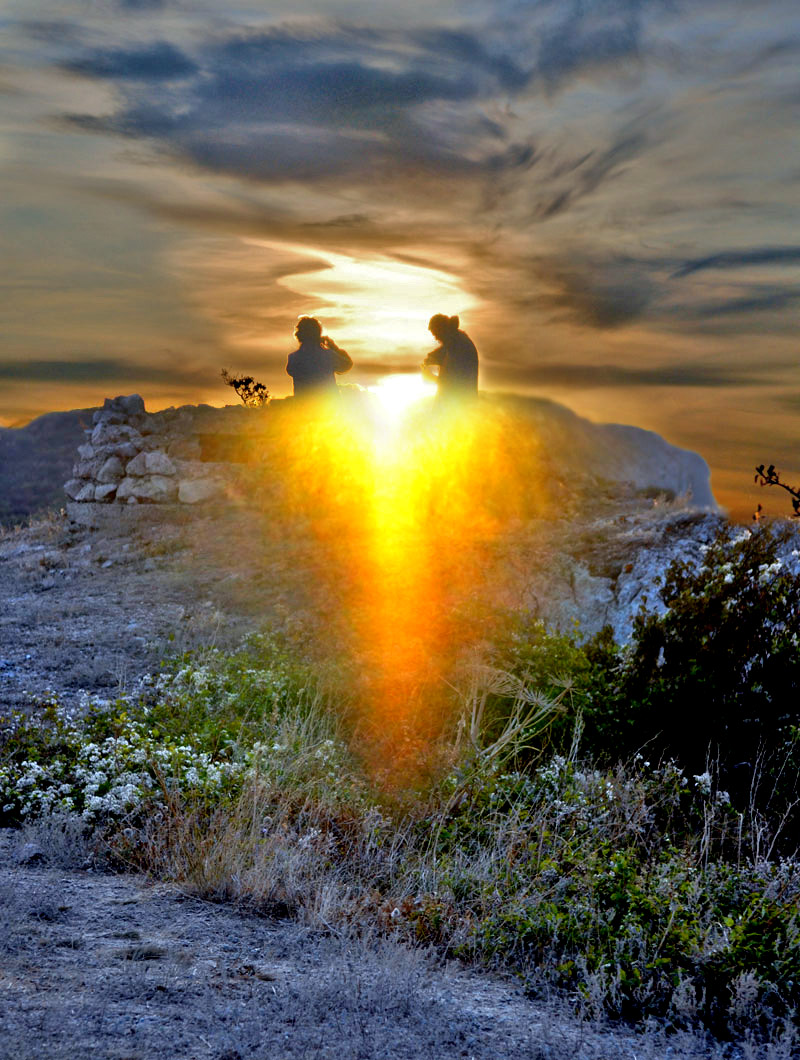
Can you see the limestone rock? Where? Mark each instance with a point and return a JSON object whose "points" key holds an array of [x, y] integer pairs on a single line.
{"points": [[86, 468], [192, 491], [105, 492], [155, 463], [73, 488], [113, 433], [86, 493], [111, 471], [155, 488], [124, 450], [158, 463], [86, 452]]}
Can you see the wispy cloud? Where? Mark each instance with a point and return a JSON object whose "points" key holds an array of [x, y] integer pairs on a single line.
{"points": [[737, 259]]}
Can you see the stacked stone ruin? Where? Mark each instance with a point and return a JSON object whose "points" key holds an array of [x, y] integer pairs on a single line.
{"points": [[134, 457]]}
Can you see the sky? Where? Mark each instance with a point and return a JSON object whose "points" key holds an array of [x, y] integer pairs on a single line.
{"points": [[606, 193]]}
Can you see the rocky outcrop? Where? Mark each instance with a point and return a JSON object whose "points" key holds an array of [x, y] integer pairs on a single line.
{"points": [[131, 456]]}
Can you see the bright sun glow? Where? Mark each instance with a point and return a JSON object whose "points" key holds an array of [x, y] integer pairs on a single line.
{"points": [[376, 307], [397, 393]]}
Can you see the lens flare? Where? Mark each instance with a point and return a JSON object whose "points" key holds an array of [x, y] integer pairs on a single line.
{"points": [[397, 533]]}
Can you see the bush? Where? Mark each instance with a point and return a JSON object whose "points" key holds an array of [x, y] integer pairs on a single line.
{"points": [[719, 673], [254, 395]]}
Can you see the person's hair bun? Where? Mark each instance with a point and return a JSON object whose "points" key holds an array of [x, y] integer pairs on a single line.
{"points": [[454, 321]]}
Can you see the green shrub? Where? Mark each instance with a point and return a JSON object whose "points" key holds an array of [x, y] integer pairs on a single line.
{"points": [[718, 675]]}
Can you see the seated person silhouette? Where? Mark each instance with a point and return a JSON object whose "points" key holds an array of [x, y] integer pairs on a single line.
{"points": [[455, 357], [315, 365]]}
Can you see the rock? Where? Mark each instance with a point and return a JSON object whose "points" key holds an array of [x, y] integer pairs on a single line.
{"points": [[114, 433], [137, 466], [86, 468], [73, 488], [155, 463], [86, 452], [31, 854], [192, 491], [158, 463], [105, 493], [125, 450], [156, 488], [111, 471], [185, 449], [86, 493], [132, 404]]}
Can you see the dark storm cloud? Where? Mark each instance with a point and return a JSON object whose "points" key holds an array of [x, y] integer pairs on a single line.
{"points": [[99, 371], [157, 62], [736, 259]]}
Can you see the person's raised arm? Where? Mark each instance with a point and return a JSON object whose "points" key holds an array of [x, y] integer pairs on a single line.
{"points": [[342, 361]]}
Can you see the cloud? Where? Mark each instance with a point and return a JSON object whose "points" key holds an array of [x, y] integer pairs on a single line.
{"points": [[580, 44], [160, 61], [306, 103], [736, 259], [607, 294], [580, 177], [582, 375], [99, 371], [772, 300]]}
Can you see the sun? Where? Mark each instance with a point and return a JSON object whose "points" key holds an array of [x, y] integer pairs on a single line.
{"points": [[376, 307], [398, 392]]}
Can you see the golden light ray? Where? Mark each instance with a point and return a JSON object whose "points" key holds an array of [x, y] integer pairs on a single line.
{"points": [[397, 534]]}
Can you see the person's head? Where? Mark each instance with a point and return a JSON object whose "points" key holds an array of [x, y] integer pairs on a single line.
{"points": [[308, 329], [441, 326]]}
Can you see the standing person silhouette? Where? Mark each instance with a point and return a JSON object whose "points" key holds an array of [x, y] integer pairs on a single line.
{"points": [[318, 360], [455, 356]]}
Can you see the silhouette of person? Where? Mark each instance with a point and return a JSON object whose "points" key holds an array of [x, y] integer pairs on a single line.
{"points": [[318, 360], [455, 357]]}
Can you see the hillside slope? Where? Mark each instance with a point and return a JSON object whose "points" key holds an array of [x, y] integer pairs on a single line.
{"points": [[35, 461]]}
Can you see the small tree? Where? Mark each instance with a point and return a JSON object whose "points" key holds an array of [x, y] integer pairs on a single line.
{"points": [[254, 395]]}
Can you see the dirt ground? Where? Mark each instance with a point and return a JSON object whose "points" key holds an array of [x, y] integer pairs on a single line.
{"points": [[88, 610], [120, 968], [117, 967]]}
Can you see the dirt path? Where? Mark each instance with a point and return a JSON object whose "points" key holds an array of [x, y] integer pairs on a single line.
{"points": [[119, 968]]}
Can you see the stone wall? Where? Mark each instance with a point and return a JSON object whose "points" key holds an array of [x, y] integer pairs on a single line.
{"points": [[183, 456]]}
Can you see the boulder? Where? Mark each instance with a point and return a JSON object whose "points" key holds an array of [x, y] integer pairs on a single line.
{"points": [[86, 452], [111, 471], [73, 488], [86, 493], [193, 491]]}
